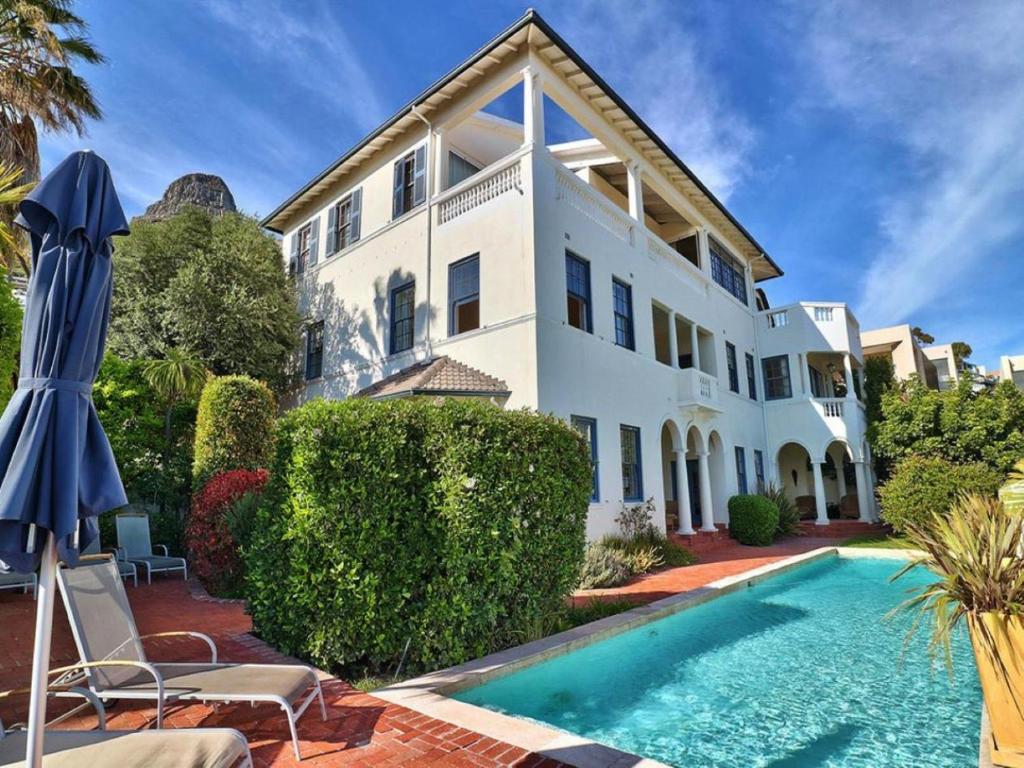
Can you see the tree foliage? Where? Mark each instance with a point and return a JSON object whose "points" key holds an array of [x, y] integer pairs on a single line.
{"points": [[961, 351], [234, 427], [10, 339], [455, 527], [213, 287], [958, 424]]}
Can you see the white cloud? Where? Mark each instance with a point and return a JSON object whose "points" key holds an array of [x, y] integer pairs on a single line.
{"points": [[945, 84], [653, 56]]}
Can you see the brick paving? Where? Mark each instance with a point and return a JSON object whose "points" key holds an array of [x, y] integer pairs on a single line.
{"points": [[361, 730]]}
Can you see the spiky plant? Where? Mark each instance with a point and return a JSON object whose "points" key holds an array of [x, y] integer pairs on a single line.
{"points": [[11, 193], [175, 377], [41, 41], [975, 551]]}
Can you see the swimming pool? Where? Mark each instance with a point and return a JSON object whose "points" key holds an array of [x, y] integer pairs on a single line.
{"points": [[798, 670]]}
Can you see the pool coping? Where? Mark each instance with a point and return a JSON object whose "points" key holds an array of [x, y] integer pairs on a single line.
{"points": [[430, 694]]}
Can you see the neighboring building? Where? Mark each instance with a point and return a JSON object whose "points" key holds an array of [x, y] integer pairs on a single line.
{"points": [[452, 252], [947, 370], [1011, 368], [899, 345]]}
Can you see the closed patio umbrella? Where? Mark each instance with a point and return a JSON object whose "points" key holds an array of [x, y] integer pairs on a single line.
{"points": [[58, 470]]}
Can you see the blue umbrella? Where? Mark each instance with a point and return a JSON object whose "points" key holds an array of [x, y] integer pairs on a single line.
{"points": [[58, 470]]}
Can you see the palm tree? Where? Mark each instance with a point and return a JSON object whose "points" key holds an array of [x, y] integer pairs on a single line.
{"points": [[11, 193], [176, 377], [40, 40]]}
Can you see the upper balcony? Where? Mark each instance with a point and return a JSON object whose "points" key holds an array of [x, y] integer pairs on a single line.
{"points": [[809, 327]]}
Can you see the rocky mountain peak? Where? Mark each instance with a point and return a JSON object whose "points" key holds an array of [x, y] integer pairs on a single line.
{"points": [[202, 190]]}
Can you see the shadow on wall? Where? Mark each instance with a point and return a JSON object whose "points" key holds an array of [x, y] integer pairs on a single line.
{"points": [[356, 340]]}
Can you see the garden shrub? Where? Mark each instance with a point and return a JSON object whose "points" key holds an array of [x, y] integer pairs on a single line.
{"points": [[753, 520], [789, 515], [10, 339], [921, 486], [213, 549], [636, 520], [234, 427], [604, 566], [455, 525]]}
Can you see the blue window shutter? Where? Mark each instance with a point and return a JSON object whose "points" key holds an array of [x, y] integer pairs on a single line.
{"points": [[419, 177], [396, 194], [314, 240], [332, 231], [293, 254], [357, 210]]}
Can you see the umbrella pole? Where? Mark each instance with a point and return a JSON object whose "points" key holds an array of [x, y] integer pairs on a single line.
{"points": [[41, 653]]}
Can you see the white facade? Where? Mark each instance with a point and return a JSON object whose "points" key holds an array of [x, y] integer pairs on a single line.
{"points": [[1011, 368], [614, 203]]}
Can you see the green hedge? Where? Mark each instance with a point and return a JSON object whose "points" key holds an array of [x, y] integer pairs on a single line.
{"points": [[10, 338], [453, 525], [922, 486], [234, 427], [753, 519]]}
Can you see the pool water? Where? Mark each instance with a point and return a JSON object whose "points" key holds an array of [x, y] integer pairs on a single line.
{"points": [[799, 670]]}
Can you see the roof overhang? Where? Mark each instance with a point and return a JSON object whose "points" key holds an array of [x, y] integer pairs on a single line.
{"points": [[532, 31]]}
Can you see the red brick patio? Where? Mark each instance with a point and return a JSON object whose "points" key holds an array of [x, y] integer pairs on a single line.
{"points": [[361, 729]]}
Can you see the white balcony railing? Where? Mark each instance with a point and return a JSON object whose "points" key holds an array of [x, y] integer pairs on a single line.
{"points": [[593, 205], [475, 192], [697, 387], [778, 318], [823, 314], [832, 407]]}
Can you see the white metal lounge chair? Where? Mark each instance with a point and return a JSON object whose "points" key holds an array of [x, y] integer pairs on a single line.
{"points": [[23, 581], [174, 748], [125, 568], [104, 630], [133, 538]]}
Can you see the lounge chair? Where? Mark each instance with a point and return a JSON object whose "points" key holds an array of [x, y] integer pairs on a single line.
{"points": [[126, 569], [173, 748], [133, 538], [24, 581], [104, 630]]}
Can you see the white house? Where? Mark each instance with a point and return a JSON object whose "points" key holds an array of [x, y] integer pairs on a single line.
{"points": [[453, 252]]}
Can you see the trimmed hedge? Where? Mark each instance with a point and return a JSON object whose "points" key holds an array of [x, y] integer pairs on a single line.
{"points": [[922, 486], [454, 526], [213, 549], [234, 427], [753, 519]]}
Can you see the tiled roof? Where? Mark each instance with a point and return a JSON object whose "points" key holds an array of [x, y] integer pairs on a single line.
{"points": [[437, 376]]}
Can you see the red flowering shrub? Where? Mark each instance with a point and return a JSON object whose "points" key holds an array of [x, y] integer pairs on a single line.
{"points": [[213, 548]]}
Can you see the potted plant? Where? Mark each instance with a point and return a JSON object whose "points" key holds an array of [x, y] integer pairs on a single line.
{"points": [[975, 551]]}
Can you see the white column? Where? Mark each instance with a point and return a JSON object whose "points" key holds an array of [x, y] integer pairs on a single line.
{"points": [[840, 480], [848, 374], [819, 494], [694, 348], [704, 250], [635, 189], [673, 344], [863, 493], [533, 108], [440, 160], [683, 495], [707, 512]]}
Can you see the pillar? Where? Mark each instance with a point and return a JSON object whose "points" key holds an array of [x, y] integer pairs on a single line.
{"points": [[707, 511], [851, 394], [694, 346], [533, 108], [683, 495], [819, 494], [673, 344], [864, 494], [840, 479], [635, 189], [440, 161]]}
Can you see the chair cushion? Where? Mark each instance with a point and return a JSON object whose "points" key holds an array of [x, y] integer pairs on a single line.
{"points": [[237, 682], [160, 563], [169, 748]]}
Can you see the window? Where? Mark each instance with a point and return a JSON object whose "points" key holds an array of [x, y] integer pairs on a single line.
{"points": [[632, 482], [464, 293], [730, 362], [817, 381], [741, 469], [622, 306], [410, 182], [304, 248], [403, 323], [776, 377], [727, 271], [460, 169], [314, 350], [751, 378], [759, 470], [588, 428], [577, 292], [343, 223]]}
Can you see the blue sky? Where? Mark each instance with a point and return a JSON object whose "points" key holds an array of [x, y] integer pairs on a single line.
{"points": [[874, 148]]}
